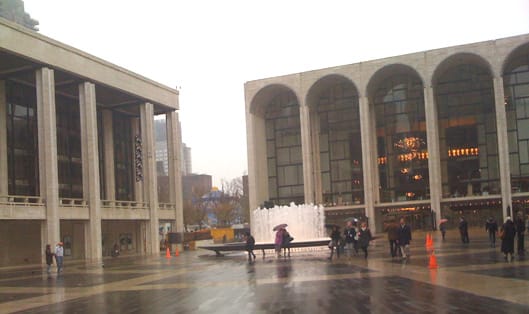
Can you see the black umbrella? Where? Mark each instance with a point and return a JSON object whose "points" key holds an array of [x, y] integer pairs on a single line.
{"points": [[331, 226]]}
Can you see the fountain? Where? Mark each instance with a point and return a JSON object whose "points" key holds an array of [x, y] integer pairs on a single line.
{"points": [[305, 222]]}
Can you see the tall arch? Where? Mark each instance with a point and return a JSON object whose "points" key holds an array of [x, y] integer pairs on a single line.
{"points": [[337, 147]]}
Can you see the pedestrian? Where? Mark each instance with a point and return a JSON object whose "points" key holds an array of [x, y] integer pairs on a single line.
{"points": [[278, 241], [351, 239], [286, 239], [49, 258], [335, 241], [364, 237], [507, 234], [392, 229], [404, 238], [491, 226], [59, 255], [519, 222], [463, 230], [442, 228], [250, 245]]}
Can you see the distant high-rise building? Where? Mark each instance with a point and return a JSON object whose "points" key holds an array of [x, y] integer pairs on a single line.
{"points": [[186, 160], [162, 162], [13, 10]]}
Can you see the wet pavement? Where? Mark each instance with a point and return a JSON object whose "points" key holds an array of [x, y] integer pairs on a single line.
{"points": [[470, 278]]}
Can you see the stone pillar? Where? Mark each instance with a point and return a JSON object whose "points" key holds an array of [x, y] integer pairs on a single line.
{"points": [[257, 160], [47, 137], [136, 131], [434, 158], [108, 153], [306, 153], [316, 157], [368, 158], [149, 175], [174, 139], [503, 145], [90, 158], [3, 140]]}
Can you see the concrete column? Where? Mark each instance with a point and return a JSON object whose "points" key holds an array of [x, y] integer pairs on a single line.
{"points": [[316, 157], [434, 158], [47, 137], [90, 155], [3, 140], [108, 145], [503, 145], [257, 160], [306, 152], [136, 130], [368, 158], [149, 175], [174, 140]]}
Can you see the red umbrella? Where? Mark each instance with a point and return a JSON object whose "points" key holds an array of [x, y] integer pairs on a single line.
{"points": [[280, 226], [443, 220]]}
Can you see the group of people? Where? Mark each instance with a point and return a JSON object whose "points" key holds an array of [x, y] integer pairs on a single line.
{"points": [[58, 253], [399, 237], [282, 241], [354, 237]]}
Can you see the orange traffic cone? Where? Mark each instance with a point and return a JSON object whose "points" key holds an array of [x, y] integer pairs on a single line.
{"points": [[176, 253], [429, 241], [433, 261], [168, 253]]}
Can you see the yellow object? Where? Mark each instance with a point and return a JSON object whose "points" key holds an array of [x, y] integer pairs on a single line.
{"points": [[222, 235]]}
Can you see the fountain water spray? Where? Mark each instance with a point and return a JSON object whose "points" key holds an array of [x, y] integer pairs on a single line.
{"points": [[305, 222]]}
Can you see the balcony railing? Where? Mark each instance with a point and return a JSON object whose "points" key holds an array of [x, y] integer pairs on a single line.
{"points": [[166, 206], [21, 200], [123, 204], [73, 202]]}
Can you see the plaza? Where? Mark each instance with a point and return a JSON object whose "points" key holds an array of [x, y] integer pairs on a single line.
{"points": [[469, 279]]}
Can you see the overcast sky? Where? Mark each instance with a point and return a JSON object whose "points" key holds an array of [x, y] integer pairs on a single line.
{"points": [[210, 48]]}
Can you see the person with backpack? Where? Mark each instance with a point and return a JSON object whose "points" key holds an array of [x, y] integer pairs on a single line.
{"points": [[351, 239], [250, 245]]}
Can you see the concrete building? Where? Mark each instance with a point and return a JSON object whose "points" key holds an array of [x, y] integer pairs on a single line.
{"points": [[77, 152], [438, 133]]}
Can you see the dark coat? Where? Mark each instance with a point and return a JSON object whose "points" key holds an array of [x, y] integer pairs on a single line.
{"points": [[404, 234], [349, 234], [463, 226], [286, 239], [491, 226], [520, 225], [364, 236], [509, 232], [49, 257], [250, 243], [393, 231]]}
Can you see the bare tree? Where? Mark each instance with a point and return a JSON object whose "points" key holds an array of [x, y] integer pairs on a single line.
{"points": [[195, 209]]}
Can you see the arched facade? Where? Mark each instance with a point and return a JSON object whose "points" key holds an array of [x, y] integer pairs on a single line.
{"points": [[438, 133]]}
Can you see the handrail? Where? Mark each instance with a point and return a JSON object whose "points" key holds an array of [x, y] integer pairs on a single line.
{"points": [[22, 199], [123, 204], [73, 202], [166, 206]]}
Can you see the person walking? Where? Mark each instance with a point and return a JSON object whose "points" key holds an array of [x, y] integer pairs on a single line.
{"points": [[350, 239], [507, 234], [336, 238], [491, 226], [519, 222], [49, 258], [392, 229], [364, 237], [250, 245], [442, 228], [59, 255], [463, 230], [286, 239], [278, 241], [404, 238]]}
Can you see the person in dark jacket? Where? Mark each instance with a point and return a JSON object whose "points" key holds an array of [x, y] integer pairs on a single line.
{"points": [[351, 237], [250, 245], [287, 238], [507, 234], [364, 237], [519, 222], [392, 229], [491, 226], [336, 239], [49, 258], [404, 238], [463, 230]]}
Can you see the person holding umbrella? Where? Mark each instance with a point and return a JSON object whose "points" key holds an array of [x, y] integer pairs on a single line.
{"points": [[278, 242], [336, 238], [442, 227]]}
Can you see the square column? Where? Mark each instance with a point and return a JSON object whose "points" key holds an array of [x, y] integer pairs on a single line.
{"points": [[316, 157], [257, 160], [306, 152], [434, 158], [47, 137], [368, 157], [108, 152], [3, 140], [149, 175], [503, 145], [90, 159], [174, 139]]}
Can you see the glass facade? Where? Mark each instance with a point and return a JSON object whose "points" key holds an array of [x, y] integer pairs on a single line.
{"points": [[467, 132], [340, 146], [401, 139], [22, 140], [123, 163], [516, 87], [69, 161], [283, 150]]}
